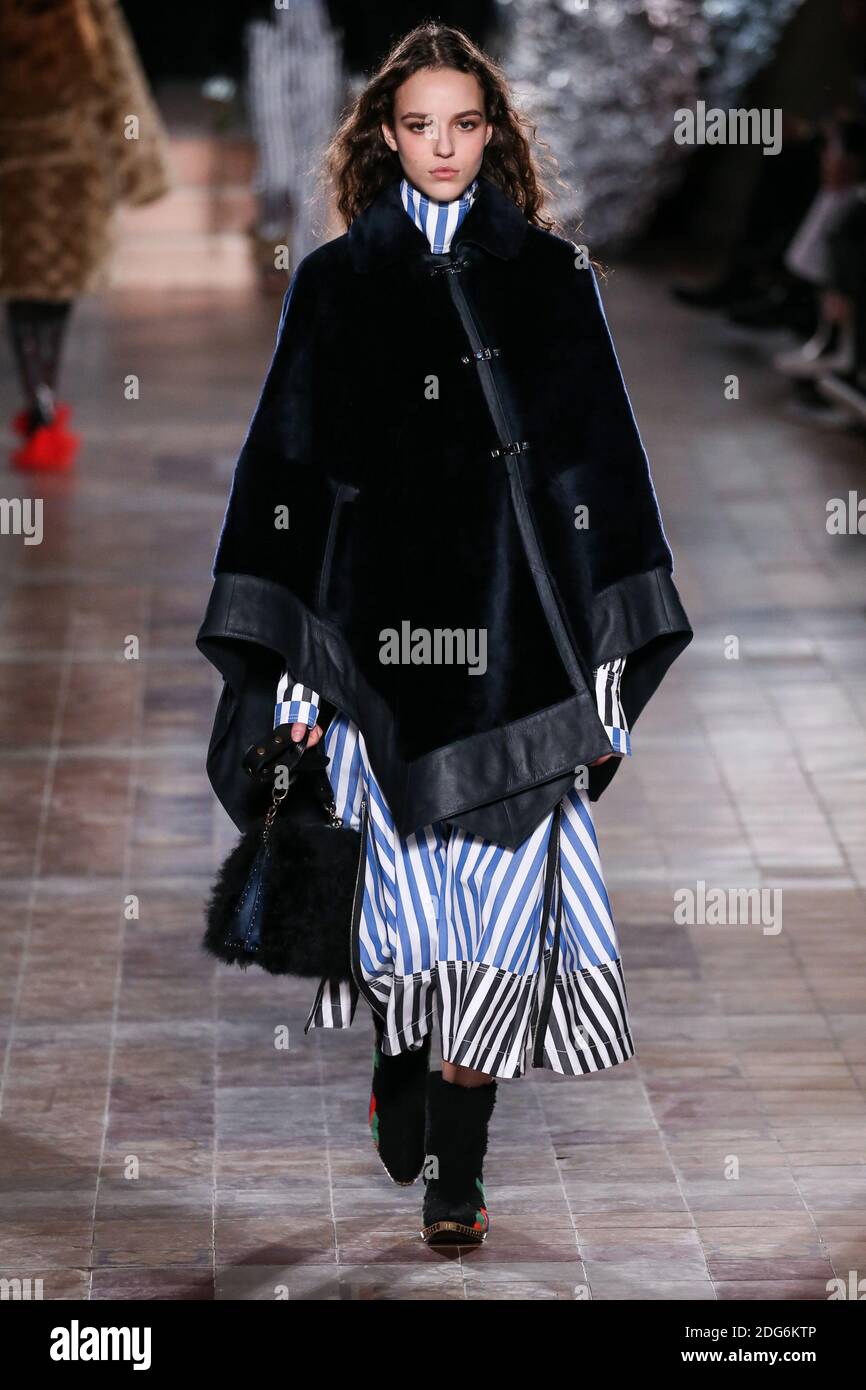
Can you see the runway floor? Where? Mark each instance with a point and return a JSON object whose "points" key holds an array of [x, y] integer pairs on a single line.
{"points": [[155, 1140]]}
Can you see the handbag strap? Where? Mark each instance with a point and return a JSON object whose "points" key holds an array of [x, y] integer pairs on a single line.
{"points": [[551, 886], [263, 754], [279, 795], [260, 761], [275, 749]]}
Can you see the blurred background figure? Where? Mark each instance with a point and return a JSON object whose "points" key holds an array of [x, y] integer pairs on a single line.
{"points": [[843, 171], [301, 60], [292, 90], [797, 262], [755, 287], [78, 135], [844, 383]]}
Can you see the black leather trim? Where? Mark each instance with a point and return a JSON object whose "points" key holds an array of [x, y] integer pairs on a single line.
{"points": [[633, 611], [500, 783], [480, 774]]}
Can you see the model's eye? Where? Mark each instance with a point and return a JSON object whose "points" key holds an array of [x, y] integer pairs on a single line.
{"points": [[419, 127], [468, 125]]}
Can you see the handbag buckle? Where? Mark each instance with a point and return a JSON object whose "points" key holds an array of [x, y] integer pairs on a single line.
{"points": [[276, 749], [482, 355], [518, 447]]}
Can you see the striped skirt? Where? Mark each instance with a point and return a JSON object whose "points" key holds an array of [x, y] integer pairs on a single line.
{"points": [[450, 929]]}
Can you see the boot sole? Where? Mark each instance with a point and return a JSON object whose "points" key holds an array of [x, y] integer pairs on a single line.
{"points": [[451, 1233], [398, 1182]]}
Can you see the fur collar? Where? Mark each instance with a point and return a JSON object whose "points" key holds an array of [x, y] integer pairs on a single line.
{"points": [[383, 234]]}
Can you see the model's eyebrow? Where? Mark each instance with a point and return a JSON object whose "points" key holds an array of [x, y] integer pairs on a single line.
{"points": [[424, 115]]}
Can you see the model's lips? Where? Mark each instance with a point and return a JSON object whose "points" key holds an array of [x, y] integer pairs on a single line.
{"points": [[444, 173]]}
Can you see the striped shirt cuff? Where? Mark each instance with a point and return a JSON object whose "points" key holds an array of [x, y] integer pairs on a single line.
{"points": [[298, 705], [610, 711]]}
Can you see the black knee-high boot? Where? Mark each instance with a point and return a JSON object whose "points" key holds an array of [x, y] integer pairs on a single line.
{"points": [[455, 1207], [396, 1115]]}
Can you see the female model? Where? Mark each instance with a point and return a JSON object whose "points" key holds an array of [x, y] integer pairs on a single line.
{"points": [[443, 547]]}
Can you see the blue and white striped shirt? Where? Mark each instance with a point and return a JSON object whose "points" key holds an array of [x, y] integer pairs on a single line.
{"points": [[300, 704], [438, 221]]}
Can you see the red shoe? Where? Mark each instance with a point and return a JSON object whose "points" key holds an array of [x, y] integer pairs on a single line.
{"points": [[50, 448]]}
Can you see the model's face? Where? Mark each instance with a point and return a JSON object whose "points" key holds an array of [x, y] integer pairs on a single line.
{"points": [[439, 131]]}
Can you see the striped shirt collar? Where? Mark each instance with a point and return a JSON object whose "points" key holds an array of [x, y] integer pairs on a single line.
{"points": [[438, 221]]}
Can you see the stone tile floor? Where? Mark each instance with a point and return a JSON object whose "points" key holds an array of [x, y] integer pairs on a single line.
{"points": [[158, 1141]]}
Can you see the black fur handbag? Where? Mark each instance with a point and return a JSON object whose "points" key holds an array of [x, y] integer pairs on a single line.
{"points": [[284, 897]]}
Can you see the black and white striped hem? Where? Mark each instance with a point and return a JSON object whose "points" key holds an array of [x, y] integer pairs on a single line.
{"points": [[488, 1016]]}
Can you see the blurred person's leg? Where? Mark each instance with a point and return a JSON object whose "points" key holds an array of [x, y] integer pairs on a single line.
{"points": [[846, 386], [771, 295], [810, 255], [847, 256], [293, 75], [37, 329], [782, 197]]}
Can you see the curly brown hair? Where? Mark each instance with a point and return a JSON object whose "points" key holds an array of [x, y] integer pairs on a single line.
{"points": [[360, 163]]}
